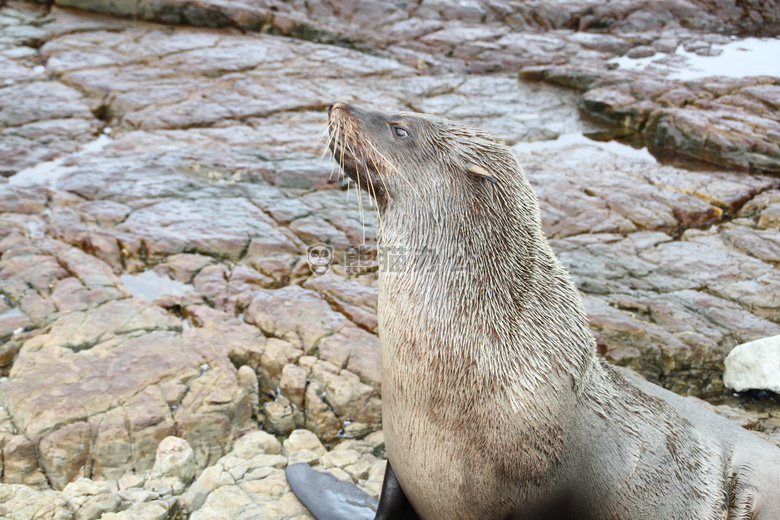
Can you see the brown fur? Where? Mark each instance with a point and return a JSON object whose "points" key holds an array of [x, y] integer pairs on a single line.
{"points": [[494, 401]]}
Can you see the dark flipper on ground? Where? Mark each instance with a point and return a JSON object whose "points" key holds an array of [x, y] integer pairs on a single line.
{"points": [[328, 498]]}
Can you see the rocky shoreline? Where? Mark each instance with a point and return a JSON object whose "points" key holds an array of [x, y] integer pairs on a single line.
{"points": [[166, 348]]}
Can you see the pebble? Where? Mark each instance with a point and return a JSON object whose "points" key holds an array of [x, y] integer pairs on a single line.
{"points": [[754, 366]]}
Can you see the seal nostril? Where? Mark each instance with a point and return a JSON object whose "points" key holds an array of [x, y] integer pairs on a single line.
{"points": [[330, 107]]}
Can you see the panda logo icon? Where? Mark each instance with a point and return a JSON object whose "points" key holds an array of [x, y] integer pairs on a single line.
{"points": [[319, 256]]}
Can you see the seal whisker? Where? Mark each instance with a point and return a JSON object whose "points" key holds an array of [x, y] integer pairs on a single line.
{"points": [[324, 132], [380, 228], [345, 139], [372, 199], [396, 170], [324, 154], [379, 173], [415, 192], [326, 148], [340, 135], [369, 189], [342, 140], [360, 204]]}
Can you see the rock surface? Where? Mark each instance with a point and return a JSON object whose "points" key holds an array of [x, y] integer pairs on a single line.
{"points": [[754, 366], [735, 122], [165, 348]]}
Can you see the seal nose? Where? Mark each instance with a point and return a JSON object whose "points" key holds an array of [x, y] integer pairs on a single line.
{"points": [[336, 104]]}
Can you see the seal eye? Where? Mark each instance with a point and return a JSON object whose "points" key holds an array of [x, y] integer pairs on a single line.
{"points": [[400, 132]]}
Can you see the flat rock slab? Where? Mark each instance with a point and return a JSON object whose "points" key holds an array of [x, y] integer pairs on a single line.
{"points": [[126, 376], [724, 121], [696, 304]]}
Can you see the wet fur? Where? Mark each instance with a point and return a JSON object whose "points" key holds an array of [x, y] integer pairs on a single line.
{"points": [[495, 404]]}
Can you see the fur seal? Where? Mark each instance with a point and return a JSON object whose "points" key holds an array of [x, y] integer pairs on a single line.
{"points": [[495, 404]]}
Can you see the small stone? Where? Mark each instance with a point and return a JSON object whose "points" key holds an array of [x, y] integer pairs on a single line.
{"points": [[358, 471], [320, 418], [667, 45], [293, 383], [772, 424], [307, 456], [208, 481], [266, 461], [175, 458], [376, 439], [80, 490], [20, 465], [373, 488], [163, 487], [303, 440], [279, 418], [256, 443], [340, 474], [247, 379], [307, 361], [754, 365], [136, 495], [95, 507], [183, 267], [642, 51], [130, 481], [377, 471], [339, 458], [357, 428], [738, 416], [774, 438], [770, 217], [157, 510]]}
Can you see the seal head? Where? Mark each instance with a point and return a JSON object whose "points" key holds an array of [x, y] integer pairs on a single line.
{"points": [[388, 153]]}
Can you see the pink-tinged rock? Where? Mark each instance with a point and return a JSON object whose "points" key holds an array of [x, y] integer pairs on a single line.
{"points": [[356, 350], [356, 298], [37, 272], [220, 227], [315, 230], [30, 102], [122, 388], [734, 122], [296, 315], [16, 199], [20, 463]]}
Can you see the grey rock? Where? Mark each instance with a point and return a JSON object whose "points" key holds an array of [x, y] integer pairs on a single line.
{"points": [[754, 365]]}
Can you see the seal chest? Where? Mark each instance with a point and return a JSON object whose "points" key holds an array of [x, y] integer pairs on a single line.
{"points": [[494, 402]]}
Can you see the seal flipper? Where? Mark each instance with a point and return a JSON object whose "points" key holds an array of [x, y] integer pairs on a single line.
{"points": [[328, 498], [393, 504]]}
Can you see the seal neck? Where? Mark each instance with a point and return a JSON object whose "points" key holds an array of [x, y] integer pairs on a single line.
{"points": [[462, 295]]}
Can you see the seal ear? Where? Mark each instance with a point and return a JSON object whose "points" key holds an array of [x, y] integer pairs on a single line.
{"points": [[479, 171]]}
